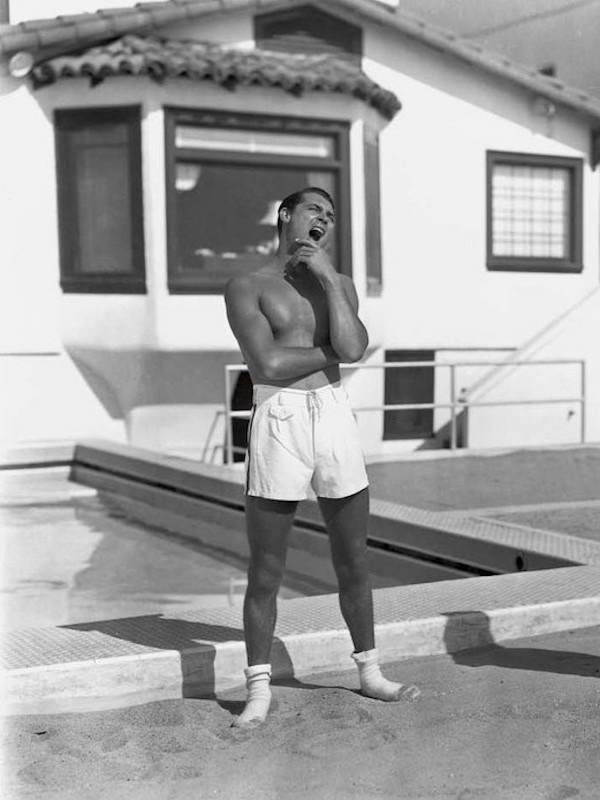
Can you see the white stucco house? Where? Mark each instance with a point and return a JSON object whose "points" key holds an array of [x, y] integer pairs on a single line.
{"points": [[144, 148]]}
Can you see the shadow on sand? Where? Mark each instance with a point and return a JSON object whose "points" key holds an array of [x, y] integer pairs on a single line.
{"points": [[468, 639], [195, 643], [474, 626]]}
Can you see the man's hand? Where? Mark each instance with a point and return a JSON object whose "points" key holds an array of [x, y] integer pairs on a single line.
{"points": [[347, 334], [315, 259]]}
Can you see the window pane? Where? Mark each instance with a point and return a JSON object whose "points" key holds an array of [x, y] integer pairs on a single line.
{"points": [[236, 141], [226, 216], [103, 199], [101, 215], [531, 207], [409, 386]]}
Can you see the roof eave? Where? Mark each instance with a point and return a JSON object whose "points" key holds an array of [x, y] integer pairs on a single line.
{"points": [[80, 30], [160, 59]]}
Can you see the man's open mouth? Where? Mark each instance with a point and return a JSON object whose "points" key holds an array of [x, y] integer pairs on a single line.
{"points": [[316, 233]]}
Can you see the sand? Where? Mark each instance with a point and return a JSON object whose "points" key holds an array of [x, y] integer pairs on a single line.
{"points": [[518, 722]]}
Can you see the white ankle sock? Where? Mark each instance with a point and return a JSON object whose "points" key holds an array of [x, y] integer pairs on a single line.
{"points": [[373, 684], [258, 680]]}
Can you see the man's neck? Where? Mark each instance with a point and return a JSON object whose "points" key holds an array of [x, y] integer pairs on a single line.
{"points": [[280, 257]]}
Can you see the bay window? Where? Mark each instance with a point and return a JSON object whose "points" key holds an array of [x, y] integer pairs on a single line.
{"points": [[227, 174]]}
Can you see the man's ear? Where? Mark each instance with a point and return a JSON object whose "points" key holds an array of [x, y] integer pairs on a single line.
{"points": [[284, 215]]}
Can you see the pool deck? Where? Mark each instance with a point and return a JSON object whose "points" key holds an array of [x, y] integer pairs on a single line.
{"points": [[544, 504]]}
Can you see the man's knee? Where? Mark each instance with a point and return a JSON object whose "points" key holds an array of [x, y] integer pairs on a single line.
{"points": [[264, 576], [352, 571]]}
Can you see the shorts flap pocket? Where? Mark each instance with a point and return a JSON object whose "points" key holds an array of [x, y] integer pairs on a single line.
{"points": [[281, 412]]}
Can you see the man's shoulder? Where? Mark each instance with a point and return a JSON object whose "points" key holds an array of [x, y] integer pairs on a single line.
{"points": [[248, 286], [243, 283]]}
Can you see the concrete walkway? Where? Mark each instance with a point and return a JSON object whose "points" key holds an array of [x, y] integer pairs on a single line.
{"points": [[475, 483]]}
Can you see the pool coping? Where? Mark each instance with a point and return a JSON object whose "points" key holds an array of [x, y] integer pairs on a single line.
{"points": [[171, 483]]}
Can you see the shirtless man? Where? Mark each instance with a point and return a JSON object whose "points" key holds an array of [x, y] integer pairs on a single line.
{"points": [[296, 320]]}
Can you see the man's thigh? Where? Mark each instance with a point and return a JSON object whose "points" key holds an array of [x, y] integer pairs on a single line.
{"points": [[346, 519], [268, 525]]}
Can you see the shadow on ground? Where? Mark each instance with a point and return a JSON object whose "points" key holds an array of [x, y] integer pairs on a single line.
{"points": [[195, 643], [470, 642]]}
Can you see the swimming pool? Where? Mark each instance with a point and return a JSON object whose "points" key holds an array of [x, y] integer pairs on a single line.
{"points": [[127, 532], [70, 556]]}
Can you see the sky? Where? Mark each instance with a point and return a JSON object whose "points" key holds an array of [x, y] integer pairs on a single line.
{"points": [[21, 10], [460, 15]]}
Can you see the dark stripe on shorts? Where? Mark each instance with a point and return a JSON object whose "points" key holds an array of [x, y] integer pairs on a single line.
{"points": [[249, 434]]}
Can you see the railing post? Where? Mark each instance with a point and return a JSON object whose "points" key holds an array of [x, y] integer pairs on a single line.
{"points": [[228, 421], [453, 436]]}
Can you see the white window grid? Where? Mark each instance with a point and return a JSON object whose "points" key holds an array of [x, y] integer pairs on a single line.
{"points": [[530, 211]]}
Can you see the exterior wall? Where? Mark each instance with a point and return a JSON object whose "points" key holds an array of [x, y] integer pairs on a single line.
{"points": [[572, 336], [455, 371], [44, 396], [223, 29]]}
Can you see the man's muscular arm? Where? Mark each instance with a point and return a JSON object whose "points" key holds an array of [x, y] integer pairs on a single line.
{"points": [[348, 336], [266, 359]]}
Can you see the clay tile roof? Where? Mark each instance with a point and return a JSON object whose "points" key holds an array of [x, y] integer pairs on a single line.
{"points": [[296, 73], [63, 34]]}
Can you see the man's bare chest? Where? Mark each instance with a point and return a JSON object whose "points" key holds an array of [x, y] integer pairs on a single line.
{"points": [[296, 307]]}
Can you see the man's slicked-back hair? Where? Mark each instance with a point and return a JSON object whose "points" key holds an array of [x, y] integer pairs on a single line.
{"points": [[291, 201]]}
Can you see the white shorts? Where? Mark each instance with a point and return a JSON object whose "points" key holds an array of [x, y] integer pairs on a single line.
{"points": [[299, 438]]}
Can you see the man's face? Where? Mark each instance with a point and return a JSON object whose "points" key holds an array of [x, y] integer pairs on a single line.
{"points": [[313, 218]]}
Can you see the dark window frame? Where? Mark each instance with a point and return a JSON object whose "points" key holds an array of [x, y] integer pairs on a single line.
{"points": [[574, 262], [73, 280], [181, 283]]}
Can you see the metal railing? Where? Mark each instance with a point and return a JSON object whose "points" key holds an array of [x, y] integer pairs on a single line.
{"points": [[456, 405]]}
